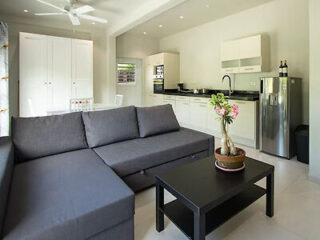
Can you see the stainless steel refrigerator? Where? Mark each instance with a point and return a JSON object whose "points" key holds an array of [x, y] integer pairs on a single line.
{"points": [[280, 114]]}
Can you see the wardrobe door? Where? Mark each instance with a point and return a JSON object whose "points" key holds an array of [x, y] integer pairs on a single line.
{"points": [[33, 75], [59, 74], [82, 69]]}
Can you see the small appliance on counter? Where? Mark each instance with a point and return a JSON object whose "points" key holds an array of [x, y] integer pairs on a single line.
{"points": [[280, 114], [180, 87]]}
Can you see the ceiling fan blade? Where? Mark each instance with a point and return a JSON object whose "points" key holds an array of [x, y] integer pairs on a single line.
{"points": [[49, 14], [51, 5], [83, 9], [92, 18], [74, 19]]}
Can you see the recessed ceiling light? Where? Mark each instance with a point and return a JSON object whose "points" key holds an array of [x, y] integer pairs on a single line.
{"points": [[207, 6], [160, 26], [93, 23], [181, 17], [145, 33], [25, 10]]}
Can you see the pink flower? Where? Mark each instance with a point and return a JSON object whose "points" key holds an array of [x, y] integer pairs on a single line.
{"points": [[217, 109], [222, 111], [235, 108]]}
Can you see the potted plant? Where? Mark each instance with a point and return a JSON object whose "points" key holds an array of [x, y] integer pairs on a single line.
{"points": [[228, 156]]}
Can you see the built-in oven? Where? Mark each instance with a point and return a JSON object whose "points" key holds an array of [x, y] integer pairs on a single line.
{"points": [[158, 79], [158, 86]]}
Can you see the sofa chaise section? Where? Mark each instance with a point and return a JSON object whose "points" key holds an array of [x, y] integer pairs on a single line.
{"points": [[61, 189], [71, 195]]}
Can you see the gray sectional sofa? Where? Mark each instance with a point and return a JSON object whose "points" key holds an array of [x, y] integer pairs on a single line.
{"points": [[73, 176]]}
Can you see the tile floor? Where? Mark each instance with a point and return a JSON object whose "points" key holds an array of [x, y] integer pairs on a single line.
{"points": [[297, 211]]}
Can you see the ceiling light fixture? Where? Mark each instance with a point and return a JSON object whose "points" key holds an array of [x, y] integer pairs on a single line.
{"points": [[160, 26], [26, 10], [93, 23], [207, 6], [145, 33], [181, 17]]}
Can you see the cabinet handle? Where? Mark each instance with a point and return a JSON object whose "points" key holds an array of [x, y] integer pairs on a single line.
{"points": [[49, 83], [185, 103], [248, 69], [45, 83], [203, 105]]}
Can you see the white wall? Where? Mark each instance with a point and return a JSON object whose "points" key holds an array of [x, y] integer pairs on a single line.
{"points": [[135, 47], [314, 88], [286, 24], [16, 26]]}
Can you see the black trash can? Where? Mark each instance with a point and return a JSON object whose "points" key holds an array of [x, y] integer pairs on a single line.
{"points": [[302, 143]]}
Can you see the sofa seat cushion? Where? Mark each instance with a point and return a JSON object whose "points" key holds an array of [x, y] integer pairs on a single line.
{"points": [[70, 196], [110, 126], [43, 136], [132, 156]]}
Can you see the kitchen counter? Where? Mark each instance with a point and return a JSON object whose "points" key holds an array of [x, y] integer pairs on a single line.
{"points": [[236, 95]]}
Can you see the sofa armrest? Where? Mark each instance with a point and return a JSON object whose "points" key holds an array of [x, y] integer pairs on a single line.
{"points": [[6, 171]]}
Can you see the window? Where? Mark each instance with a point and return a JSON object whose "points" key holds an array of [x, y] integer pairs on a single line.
{"points": [[126, 73], [4, 84]]}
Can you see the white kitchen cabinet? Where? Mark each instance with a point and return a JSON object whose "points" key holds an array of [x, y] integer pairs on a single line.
{"points": [[82, 68], [183, 110], [198, 113], [171, 65], [53, 70], [245, 125], [230, 50], [59, 74], [250, 47], [154, 100], [33, 75], [213, 121], [246, 55], [169, 99]]}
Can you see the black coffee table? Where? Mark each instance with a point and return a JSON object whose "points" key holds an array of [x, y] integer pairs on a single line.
{"points": [[207, 196]]}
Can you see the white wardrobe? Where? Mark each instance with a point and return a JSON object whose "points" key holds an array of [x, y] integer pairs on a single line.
{"points": [[52, 71]]}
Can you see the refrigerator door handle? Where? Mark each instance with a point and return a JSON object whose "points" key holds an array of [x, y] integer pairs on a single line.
{"points": [[261, 86]]}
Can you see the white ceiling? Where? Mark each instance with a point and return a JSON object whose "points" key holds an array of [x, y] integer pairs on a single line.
{"points": [[113, 10], [194, 12]]}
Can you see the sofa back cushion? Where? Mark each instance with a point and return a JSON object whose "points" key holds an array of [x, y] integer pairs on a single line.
{"points": [[110, 126], [156, 120], [43, 136]]}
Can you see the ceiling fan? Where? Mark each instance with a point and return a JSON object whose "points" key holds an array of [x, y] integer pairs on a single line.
{"points": [[73, 12]]}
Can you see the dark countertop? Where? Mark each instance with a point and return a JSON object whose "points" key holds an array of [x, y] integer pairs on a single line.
{"points": [[236, 95]]}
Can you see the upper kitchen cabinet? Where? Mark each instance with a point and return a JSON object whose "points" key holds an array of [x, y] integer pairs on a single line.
{"points": [[246, 55], [171, 71]]}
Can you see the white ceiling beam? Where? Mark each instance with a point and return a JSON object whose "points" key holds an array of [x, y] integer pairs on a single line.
{"points": [[147, 11]]}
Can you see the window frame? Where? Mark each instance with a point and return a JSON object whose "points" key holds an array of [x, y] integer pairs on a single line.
{"points": [[126, 83]]}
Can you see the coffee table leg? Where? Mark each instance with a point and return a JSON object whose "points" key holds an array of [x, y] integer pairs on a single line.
{"points": [[159, 205], [199, 226], [270, 195]]}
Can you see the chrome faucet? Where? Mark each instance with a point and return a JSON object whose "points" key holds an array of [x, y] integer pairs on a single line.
{"points": [[230, 90]]}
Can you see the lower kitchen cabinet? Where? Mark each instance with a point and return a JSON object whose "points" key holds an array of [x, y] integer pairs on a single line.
{"points": [[183, 111], [245, 126], [170, 100], [213, 121], [153, 99], [197, 113]]}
